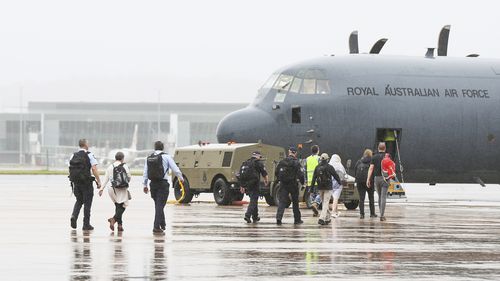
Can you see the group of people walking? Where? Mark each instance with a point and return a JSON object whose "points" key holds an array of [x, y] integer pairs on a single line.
{"points": [[83, 163], [324, 177]]}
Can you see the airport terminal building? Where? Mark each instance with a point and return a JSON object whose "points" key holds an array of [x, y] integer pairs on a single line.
{"points": [[47, 132]]}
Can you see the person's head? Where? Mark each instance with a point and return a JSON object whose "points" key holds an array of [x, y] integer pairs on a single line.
{"points": [[119, 156], [381, 147], [256, 155], [292, 151], [159, 146], [335, 158], [324, 157], [387, 155], [314, 150], [368, 153], [83, 143]]}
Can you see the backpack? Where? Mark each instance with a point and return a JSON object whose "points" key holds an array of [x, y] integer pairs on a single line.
{"points": [[120, 178], [79, 168], [324, 177], [287, 172], [362, 171], [155, 167], [248, 172]]}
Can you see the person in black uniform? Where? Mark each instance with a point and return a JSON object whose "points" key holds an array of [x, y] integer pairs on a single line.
{"points": [[81, 164], [288, 172], [251, 186]]}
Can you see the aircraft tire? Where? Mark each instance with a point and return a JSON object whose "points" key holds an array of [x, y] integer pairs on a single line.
{"points": [[269, 199], [276, 197], [188, 195], [222, 194], [351, 205]]}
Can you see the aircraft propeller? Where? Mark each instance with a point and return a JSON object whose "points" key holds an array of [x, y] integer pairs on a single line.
{"points": [[354, 45]]}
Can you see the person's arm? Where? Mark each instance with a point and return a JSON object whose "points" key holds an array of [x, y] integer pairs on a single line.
{"points": [[175, 168], [300, 173], [127, 169], [263, 172], [95, 172], [370, 172], [334, 174], [314, 179], [106, 179], [145, 177]]}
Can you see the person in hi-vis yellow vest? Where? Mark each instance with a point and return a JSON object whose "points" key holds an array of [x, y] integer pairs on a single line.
{"points": [[311, 163]]}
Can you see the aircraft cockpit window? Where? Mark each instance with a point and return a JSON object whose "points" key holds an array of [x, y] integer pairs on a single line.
{"points": [[322, 87], [308, 87], [295, 88], [283, 83], [270, 81]]}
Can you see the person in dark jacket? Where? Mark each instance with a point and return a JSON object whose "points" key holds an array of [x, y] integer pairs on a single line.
{"points": [[361, 173], [288, 172], [322, 175], [252, 187]]}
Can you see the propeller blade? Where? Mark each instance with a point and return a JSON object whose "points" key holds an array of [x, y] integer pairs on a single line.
{"points": [[353, 43], [443, 41], [378, 46]]}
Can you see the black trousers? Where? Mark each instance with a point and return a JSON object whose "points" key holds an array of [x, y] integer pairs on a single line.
{"points": [[159, 193], [84, 193], [285, 191], [362, 190], [119, 210], [253, 193]]}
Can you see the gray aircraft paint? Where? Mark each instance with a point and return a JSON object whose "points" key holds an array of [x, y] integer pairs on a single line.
{"points": [[446, 134]]}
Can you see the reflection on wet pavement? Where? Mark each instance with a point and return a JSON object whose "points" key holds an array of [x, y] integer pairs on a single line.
{"points": [[445, 240]]}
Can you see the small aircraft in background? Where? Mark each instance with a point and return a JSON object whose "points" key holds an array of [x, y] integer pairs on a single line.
{"points": [[133, 157]]}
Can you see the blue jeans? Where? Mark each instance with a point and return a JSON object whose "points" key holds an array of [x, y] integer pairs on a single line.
{"points": [[159, 193]]}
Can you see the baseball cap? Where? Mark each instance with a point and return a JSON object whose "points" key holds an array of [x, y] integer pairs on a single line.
{"points": [[256, 154], [324, 156], [292, 149]]}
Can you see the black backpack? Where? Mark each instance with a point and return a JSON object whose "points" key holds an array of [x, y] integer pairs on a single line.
{"points": [[287, 172], [79, 168], [324, 177], [248, 172], [120, 178], [155, 167], [362, 172]]}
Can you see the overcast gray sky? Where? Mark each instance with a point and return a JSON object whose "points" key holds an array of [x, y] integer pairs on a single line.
{"points": [[202, 51]]}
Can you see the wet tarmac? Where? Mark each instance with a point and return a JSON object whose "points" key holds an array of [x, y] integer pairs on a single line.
{"points": [[447, 232]]}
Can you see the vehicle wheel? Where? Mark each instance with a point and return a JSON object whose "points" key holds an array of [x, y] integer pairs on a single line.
{"points": [[188, 195], [352, 205], [238, 196], [276, 196], [222, 194], [307, 198], [269, 199]]}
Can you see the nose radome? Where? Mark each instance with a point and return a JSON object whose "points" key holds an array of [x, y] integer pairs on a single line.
{"points": [[244, 126]]}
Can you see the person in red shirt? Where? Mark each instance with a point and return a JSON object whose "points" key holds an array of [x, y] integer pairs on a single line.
{"points": [[388, 168]]}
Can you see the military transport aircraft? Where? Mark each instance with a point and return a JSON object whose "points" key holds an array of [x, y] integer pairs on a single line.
{"points": [[444, 112]]}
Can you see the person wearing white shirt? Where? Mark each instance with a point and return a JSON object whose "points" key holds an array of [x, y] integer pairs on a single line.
{"points": [[158, 182], [119, 196]]}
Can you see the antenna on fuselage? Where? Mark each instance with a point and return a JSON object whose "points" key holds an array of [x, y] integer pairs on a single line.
{"points": [[443, 41], [353, 43], [377, 47]]}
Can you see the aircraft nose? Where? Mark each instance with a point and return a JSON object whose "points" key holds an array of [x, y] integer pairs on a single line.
{"points": [[245, 126]]}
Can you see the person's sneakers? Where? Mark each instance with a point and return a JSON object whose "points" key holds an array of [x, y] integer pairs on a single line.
{"points": [[162, 227], [298, 222], [73, 222], [112, 222], [315, 210], [247, 219], [335, 215], [278, 222], [328, 221], [322, 222], [361, 217], [256, 219], [383, 219], [120, 228], [373, 216], [87, 227], [157, 231]]}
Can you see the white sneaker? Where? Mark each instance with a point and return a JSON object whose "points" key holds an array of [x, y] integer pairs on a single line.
{"points": [[335, 215]]}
